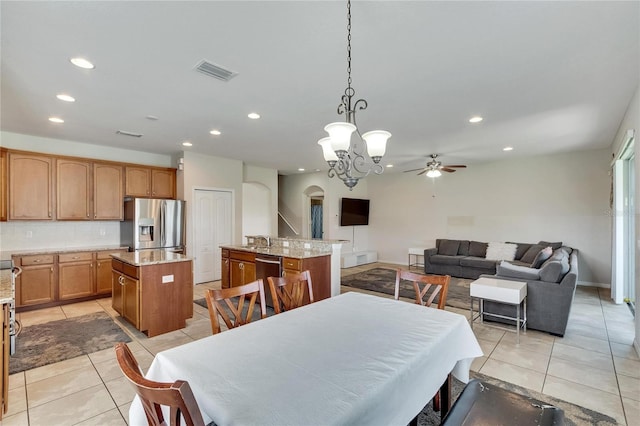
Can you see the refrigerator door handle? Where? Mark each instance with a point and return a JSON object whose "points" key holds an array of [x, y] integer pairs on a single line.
{"points": [[163, 214]]}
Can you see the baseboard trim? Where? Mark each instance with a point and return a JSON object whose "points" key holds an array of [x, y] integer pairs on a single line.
{"points": [[592, 284]]}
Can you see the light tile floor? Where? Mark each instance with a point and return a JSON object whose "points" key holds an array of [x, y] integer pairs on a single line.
{"points": [[594, 365]]}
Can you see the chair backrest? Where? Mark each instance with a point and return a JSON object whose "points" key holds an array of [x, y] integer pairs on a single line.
{"points": [[426, 287], [153, 395], [288, 292], [229, 304]]}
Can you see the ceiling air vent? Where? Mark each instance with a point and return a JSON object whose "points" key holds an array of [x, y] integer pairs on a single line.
{"points": [[125, 133], [213, 70]]}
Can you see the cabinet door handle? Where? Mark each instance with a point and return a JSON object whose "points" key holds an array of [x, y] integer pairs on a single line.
{"points": [[241, 265], [49, 214], [37, 261], [75, 257], [51, 269], [95, 216]]}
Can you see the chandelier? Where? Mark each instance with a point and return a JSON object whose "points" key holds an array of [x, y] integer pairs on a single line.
{"points": [[346, 158]]}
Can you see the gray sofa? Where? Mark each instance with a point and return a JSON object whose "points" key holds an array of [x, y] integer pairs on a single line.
{"points": [[551, 277]]}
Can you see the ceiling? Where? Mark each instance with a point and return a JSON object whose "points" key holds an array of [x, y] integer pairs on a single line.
{"points": [[546, 76]]}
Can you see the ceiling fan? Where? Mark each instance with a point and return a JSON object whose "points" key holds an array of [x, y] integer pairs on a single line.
{"points": [[434, 168]]}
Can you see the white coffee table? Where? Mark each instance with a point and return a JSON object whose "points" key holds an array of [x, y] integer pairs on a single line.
{"points": [[501, 291]]}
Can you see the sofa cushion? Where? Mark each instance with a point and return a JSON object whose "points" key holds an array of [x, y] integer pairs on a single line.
{"points": [[554, 246], [448, 247], [531, 254], [463, 249], [506, 269], [541, 257], [477, 249], [445, 260], [521, 250], [501, 251], [478, 262]]}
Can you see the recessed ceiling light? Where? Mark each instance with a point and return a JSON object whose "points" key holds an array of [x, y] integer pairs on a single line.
{"points": [[301, 169], [475, 119], [507, 148], [253, 115], [151, 117], [389, 166], [215, 132], [82, 63], [66, 98], [187, 143], [56, 120]]}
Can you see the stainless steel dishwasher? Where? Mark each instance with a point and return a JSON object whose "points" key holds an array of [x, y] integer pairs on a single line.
{"points": [[268, 265]]}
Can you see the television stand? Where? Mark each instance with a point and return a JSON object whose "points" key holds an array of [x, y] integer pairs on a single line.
{"points": [[355, 258]]}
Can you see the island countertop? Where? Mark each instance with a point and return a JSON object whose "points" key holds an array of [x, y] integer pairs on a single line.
{"points": [[150, 257], [297, 253], [5, 286]]}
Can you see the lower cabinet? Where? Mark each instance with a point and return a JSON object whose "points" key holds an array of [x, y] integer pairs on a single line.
{"points": [[242, 267], [155, 298], [319, 268], [4, 367], [50, 279], [226, 269]]}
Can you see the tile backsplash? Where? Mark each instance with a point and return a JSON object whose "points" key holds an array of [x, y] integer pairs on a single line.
{"points": [[27, 235]]}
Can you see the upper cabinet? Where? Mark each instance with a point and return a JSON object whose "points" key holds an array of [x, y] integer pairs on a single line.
{"points": [[31, 190], [107, 192], [73, 189], [150, 182]]}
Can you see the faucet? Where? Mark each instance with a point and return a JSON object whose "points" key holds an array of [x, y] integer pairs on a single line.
{"points": [[267, 240]]}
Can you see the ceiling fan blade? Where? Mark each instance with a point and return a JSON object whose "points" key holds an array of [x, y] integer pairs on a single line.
{"points": [[445, 169], [413, 170], [423, 172], [455, 165]]}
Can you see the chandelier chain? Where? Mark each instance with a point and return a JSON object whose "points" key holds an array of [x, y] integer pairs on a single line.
{"points": [[349, 45]]}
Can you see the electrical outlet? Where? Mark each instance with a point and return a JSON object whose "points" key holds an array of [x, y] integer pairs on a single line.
{"points": [[307, 245], [285, 244], [167, 279], [103, 232]]}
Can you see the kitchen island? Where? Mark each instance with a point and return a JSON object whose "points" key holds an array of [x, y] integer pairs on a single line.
{"points": [[153, 290], [243, 264], [6, 298]]}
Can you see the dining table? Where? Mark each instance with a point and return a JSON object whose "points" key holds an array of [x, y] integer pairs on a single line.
{"points": [[352, 359]]}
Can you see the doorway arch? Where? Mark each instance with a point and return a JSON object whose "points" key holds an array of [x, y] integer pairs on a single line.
{"points": [[314, 218]]}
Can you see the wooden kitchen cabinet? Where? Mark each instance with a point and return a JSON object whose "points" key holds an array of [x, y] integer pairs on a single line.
{"points": [[108, 192], [156, 298], [103, 271], [74, 189], [38, 282], [150, 182], [31, 189], [242, 267], [225, 266], [76, 277], [4, 366], [4, 177], [319, 268]]}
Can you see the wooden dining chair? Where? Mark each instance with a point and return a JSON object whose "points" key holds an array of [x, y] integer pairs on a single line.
{"points": [[153, 395], [229, 304], [426, 288], [288, 292]]}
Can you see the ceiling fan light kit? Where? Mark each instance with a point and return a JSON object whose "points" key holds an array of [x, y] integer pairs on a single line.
{"points": [[346, 158], [434, 168]]}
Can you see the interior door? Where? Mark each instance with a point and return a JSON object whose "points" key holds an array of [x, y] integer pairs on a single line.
{"points": [[212, 228]]}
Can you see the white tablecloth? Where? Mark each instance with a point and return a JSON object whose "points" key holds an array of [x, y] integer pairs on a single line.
{"points": [[350, 359]]}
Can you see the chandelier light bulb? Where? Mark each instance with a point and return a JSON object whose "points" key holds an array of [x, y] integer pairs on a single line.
{"points": [[376, 143], [327, 151], [340, 134]]}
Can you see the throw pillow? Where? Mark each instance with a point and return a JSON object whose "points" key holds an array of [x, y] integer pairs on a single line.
{"points": [[531, 254], [554, 246], [521, 250], [541, 257], [477, 249], [501, 251], [506, 269], [448, 247]]}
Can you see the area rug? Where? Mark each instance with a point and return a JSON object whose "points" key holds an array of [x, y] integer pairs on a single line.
{"points": [[383, 280], [55, 341], [574, 415]]}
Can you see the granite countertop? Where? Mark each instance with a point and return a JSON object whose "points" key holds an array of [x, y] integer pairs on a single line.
{"points": [[5, 286], [150, 257], [7, 254], [296, 253]]}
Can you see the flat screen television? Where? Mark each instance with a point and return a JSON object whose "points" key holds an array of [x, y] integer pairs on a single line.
{"points": [[354, 211]]}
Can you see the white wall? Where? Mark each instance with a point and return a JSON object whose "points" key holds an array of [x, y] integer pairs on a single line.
{"points": [[632, 121], [260, 201], [29, 235], [292, 200], [562, 197]]}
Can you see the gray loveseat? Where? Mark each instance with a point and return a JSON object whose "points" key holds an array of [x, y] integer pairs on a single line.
{"points": [[551, 277]]}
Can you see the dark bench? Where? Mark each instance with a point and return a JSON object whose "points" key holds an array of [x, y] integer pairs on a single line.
{"points": [[484, 404]]}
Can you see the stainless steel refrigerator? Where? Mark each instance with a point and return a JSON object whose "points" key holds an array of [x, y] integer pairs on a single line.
{"points": [[153, 224]]}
